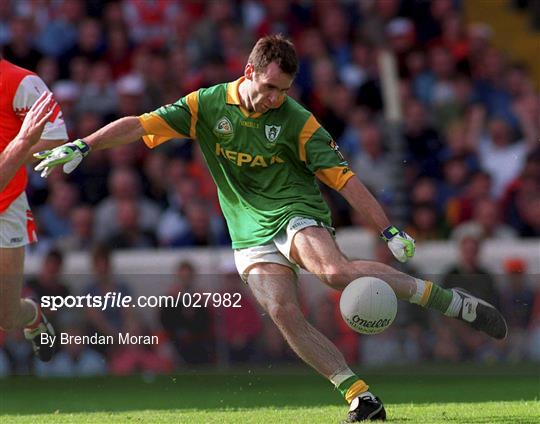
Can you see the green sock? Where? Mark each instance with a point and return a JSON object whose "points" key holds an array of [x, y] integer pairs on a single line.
{"points": [[439, 298]]}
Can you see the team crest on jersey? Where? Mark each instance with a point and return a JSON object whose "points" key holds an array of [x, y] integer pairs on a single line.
{"points": [[272, 132], [224, 128]]}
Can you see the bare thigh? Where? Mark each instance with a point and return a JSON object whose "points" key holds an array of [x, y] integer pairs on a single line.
{"points": [[315, 250], [11, 279]]}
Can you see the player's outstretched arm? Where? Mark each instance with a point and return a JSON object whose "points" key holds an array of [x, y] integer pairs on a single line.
{"points": [[122, 131], [16, 152], [399, 242]]}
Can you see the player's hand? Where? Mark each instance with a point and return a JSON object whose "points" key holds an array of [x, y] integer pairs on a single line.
{"points": [[70, 155], [36, 118], [399, 242]]}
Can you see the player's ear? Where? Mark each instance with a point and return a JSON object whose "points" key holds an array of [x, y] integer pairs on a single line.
{"points": [[248, 71]]}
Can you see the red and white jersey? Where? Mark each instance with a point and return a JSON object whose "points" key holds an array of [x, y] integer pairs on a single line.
{"points": [[19, 89]]}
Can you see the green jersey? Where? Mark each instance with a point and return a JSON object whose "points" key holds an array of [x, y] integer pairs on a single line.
{"points": [[264, 165]]}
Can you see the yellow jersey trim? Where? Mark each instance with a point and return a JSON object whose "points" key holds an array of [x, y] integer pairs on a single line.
{"points": [[335, 177], [307, 132], [157, 130], [192, 100]]}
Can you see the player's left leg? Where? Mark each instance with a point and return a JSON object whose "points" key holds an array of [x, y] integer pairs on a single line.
{"points": [[17, 229], [14, 311], [274, 287], [315, 250], [18, 313]]}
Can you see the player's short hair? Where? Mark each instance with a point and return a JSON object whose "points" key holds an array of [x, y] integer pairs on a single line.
{"points": [[274, 48]]}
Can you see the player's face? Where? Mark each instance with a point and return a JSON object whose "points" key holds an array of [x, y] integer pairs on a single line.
{"points": [[267, 87]]}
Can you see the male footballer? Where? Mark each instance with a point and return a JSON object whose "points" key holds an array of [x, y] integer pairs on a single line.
{"points": [[265, 152], [30, 120]]}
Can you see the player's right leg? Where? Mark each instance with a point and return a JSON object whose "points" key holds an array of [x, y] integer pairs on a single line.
{"points": [[15, 313], [321, 256], [274, 287]]}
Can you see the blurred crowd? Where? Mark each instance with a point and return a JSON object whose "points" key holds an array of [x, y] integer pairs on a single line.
{"points": [[471, 158], [215, 336], [470, 131]]}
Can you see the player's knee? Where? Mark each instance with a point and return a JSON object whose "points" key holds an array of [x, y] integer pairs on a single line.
{"points": [[336, 276]]}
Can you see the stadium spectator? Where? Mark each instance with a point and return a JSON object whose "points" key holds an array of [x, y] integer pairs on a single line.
{"points": [[517, 299], [468, 271], [424, 143], [124, 184], [455, 177], [173, 223], [113, 319], [119, 50], [191, 330], [81, 237], [374, 163], [49, 282], [98, 95], [155, 178], [201, 229], [53, 217], [20, 49], [130, 234], [425, 223], [60, 32], [459, 208], [500, 156], [486, 221], [240, 327], [520, 198]]}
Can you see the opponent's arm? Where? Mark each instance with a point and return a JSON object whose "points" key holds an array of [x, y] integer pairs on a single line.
{"points": [[18, 150], [122, 131], [400, 243]]}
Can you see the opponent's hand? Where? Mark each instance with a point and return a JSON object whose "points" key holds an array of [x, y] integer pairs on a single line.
{"points": [[399, 242], [35, 120], [70, 155]]}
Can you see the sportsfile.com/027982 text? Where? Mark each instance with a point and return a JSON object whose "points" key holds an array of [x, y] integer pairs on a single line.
{"points": [[119, 300]]}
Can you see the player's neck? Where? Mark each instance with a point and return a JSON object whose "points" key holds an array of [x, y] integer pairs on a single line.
{"points": [[243, 95]]}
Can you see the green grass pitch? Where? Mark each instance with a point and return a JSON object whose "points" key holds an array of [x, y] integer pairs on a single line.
{"points": [[452, 394]]}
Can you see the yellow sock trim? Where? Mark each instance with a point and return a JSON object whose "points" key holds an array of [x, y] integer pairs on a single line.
{"points": [[358, 387], [427, 292]]}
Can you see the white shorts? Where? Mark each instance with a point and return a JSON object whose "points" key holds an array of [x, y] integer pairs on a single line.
{"points": [[17, 225], [276, 251]]}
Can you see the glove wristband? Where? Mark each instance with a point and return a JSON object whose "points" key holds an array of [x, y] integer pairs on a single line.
{"points": [[82, 146], [389, 233]]}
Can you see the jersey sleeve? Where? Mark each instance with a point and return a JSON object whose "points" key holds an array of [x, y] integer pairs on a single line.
{"points": [[28, 91], [176, 120], [322, 156]]}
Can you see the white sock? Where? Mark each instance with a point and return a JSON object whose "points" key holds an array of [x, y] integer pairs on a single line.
{"points": [[455, 305], [340, 376], [420, 289]]}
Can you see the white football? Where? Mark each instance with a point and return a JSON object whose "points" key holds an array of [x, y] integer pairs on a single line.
{"points": [[368, 305]]}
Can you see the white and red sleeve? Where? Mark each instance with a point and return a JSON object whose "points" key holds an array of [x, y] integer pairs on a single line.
{"points": [[29, 90]]}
